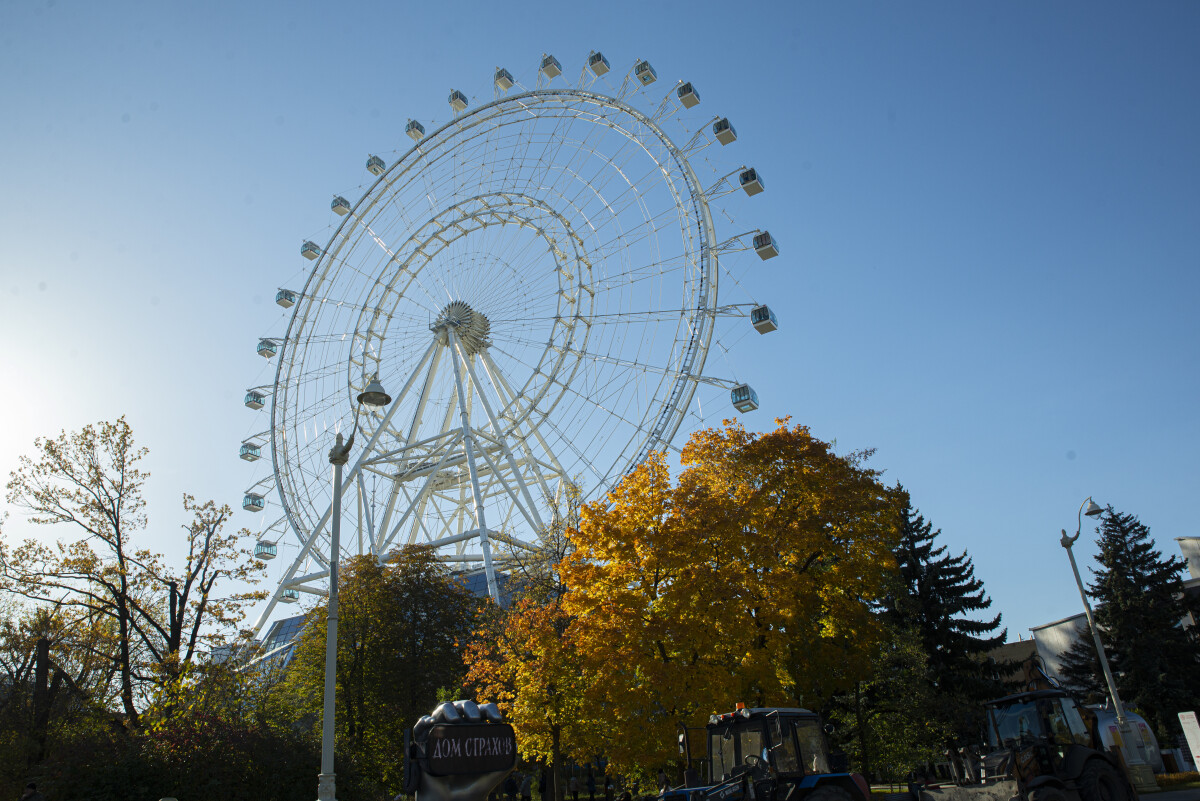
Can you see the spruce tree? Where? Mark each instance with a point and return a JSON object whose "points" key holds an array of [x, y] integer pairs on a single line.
{"points": [[938, 598], [1141, 611], [1080, 669]]}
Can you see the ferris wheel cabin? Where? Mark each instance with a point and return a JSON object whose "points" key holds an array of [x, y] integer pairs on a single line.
{"points": [[598, 64], [688, 95], [265, 550], [765, 246], [340, 206], [267, 348], [457, 100], [285, 298], [375, 166], [289, 596], [250, 452], [724, 131], [253, 502], [550, 67], [764, 319], [309, 250], [504, 79], [254, 400], [415, 130], [751, 182], [744, 398], [645, 73]]}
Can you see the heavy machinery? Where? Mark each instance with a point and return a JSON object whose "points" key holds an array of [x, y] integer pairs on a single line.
{"points": [[1042, 746], [1051, 746], [768, 754]]}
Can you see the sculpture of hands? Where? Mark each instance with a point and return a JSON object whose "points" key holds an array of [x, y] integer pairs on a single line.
{"points": [[459, 752]]}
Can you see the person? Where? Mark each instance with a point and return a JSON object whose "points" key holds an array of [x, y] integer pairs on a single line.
{"points": [[591, 785], [663, 785], [526, 787], [608, 788], [573, 784], [690, 777], [32, 794]]}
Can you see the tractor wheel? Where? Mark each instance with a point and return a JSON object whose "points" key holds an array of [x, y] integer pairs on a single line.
{"points": [[829, 792], [1047, 794], [1099, 781]]}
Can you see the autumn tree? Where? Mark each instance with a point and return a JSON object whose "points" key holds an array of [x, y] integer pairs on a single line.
{"points": [[753, 579], [522, 657], [161, 617], [401, 623], [1140, 609], [939, 599]]}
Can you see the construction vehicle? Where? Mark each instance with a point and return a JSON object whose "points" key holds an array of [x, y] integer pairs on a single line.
{"points": [[768, 754], [1051, 745]]}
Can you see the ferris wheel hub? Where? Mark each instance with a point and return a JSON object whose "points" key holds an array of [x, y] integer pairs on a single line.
{"points": [[471, 328]]}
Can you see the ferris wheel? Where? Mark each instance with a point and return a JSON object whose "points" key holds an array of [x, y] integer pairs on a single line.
{"points": [[535, 282]]}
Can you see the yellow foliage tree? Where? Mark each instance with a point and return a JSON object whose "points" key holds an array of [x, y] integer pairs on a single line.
{"points": [[527, 664], [750, 580]]}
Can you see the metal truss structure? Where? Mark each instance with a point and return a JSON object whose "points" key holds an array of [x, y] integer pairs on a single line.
{"points": [[536, 282]]}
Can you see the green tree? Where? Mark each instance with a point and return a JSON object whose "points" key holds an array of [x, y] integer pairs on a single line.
{"points": [[1081, 669], [938, 599], [885, 723], [1140, 611], [400, 629]]}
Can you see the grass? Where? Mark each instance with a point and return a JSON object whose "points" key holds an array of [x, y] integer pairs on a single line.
{"points": [[1177, 781]]}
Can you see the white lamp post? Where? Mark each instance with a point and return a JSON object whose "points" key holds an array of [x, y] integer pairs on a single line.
{"points": [[373, 396], [1140, 773]]}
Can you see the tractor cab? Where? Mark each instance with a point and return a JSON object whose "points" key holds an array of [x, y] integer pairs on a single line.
{"points": [[787, 741], [768, 754]]}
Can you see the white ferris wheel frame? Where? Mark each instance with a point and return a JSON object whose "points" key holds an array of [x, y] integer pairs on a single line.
{"points": [[510, 449]]}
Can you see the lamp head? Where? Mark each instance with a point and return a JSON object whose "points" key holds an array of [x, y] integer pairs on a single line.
{"points": [[374, 395], [1092, 509]]}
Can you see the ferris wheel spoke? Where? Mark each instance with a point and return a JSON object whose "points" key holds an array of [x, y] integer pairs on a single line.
{"points": [[501, 385], [530, 508], [574, 227], [569, 389]]}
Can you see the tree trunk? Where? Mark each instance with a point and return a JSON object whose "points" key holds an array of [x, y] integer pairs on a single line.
{"points": [[556, 788], [863, 753], [41, 701]]}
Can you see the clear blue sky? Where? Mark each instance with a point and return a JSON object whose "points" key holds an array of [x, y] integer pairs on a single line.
{"points": [[989, 213]]}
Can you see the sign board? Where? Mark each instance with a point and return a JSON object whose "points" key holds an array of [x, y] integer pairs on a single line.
{"points": [[1191, 730], [461, 749]]}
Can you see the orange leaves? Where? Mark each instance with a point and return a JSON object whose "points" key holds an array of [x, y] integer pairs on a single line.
{"points": [[751, 579]]}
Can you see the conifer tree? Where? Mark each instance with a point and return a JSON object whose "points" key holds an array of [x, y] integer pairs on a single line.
{"points": [[938, 597], [1081, 670], [1141, 611]]}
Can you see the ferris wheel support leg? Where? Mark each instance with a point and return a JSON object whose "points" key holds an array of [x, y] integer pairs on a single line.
{"points": [[468, 445], [501, 440], [502, 386]]}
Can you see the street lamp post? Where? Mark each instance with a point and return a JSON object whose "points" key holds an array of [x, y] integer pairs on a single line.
{"points": [[1140, 773], [373, 396]]}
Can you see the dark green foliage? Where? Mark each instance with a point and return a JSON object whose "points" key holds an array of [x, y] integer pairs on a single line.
{"points": [[884, 725], [938, 598], [1140, 610], [399, 633], [1081, 669]]}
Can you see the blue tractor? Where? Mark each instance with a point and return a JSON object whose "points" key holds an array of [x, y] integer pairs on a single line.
{"points": [[768, 754]]}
